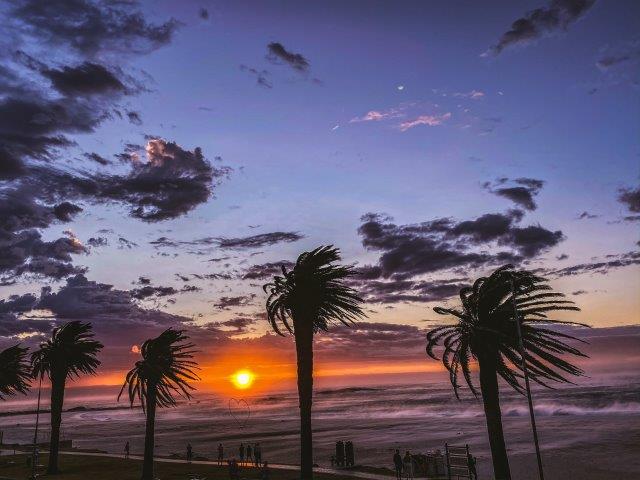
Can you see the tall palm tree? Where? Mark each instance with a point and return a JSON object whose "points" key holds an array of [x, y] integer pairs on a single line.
{"points": [[486, 331], [305, 300], [69, 353], [165, 369], [15, 371]]}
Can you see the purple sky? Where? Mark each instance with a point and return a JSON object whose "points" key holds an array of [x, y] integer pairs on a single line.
{"points": [[158, 161]]}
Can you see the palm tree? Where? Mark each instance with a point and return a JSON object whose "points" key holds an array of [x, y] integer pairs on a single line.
{"points": [[15, 371], [305, 300], [487, 333], [70, 352], [165, 369]]}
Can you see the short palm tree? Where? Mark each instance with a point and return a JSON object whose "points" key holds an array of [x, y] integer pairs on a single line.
{"points": [[305, 300], [486, 332], [15, 372], [165, 369], [70, 352]]}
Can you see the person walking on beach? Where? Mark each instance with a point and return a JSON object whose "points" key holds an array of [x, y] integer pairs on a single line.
{"points": [[241, 453], [471, 461], [397, 463], [265, 474], [220, 453], [407, 466], [189, 453], [257, 454], [126, 449], [249, 454]]}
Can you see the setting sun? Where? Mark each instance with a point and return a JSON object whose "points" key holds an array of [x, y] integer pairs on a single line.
{"points": [[242, 379]]}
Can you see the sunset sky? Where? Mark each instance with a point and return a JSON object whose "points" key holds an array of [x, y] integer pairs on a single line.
{"points": [[159, 161]]}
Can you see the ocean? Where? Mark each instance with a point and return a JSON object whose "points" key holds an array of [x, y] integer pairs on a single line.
{"points": [[580, 421]]}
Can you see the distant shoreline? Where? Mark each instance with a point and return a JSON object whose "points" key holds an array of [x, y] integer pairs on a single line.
{"points": [[80, 408]]}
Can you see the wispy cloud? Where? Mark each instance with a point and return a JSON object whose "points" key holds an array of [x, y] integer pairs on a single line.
{"points": [[377, 115], [429, 120], [473, 94]]}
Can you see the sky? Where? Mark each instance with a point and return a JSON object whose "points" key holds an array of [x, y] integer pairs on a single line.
{"points": [[159, 161]]}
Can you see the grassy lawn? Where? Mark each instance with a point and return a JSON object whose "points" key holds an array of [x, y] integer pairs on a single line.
{"points": [[101, 468]]}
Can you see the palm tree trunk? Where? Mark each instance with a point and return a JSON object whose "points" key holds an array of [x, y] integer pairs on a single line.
{"points": [[57, 401], [493, 416], [149, 437], [304, 351]]}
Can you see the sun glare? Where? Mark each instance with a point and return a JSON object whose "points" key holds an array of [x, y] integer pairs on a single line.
{"points": [[242, 379]]}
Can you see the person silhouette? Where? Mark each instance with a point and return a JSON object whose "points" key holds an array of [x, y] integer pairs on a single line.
{"points": [[249, 454], [265, 474], [220, 453], [472, 466], [397, 463], [241, 452], [127, 449], [257, 454], [407, 466], [189, 453]]}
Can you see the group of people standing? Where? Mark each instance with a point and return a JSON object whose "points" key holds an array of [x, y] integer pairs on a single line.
{"points": [[345, 456], [248, 455], [403, 466]]}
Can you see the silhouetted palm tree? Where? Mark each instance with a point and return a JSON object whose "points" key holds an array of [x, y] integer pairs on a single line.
{"points": [[306, 299], [69, 353], [15, 371], [486, 331], [164, 370]]}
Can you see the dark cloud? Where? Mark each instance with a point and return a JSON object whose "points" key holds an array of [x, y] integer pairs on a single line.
{"points": [[261, 240], [226, 303], [630, 198], [172, 182], [562, 256], [620, 56], [203, 13], [237, 325], [261, 76], [542, 22], [240, 243], [65, 211], [22, 249], [98, 241], [442, 244], [264, 271], [134, 118], [89, 27], [402, 291], [521, 194], [278, 54], [85, 79], [613, 262], [94, 157], [125, 243], [42, 106], [151, 291], [587, 216]]}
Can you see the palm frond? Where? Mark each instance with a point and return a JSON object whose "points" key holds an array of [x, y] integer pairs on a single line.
{"points": [[167, 366], [486, 326], [70, 352], [15, 372], [314, 290]]}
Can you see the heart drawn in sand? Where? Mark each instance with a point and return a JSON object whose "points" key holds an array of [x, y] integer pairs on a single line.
{"points": [[239, 410]]}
